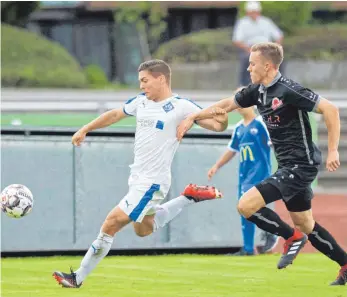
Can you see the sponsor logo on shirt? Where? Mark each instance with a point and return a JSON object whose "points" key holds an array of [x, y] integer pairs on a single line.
{"points": [[254, 131], [276, 103], [273, 121], [146, 122], [246, 153], [149, 123], [168, 107]]}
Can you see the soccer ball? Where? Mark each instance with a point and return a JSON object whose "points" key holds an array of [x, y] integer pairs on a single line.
{"points": [[16, 201]]}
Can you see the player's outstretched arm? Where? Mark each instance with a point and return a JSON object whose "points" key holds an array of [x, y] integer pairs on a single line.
{"points": [[106, 119], [219, 122], [214, 111], [332, 120], [228, 104]]}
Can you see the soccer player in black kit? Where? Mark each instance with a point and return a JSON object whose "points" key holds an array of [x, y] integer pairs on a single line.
{"points": [[283, 105]]}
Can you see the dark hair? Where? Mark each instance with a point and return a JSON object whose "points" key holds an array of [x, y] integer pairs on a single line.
{"points": [[156, 68], [271, 51]]}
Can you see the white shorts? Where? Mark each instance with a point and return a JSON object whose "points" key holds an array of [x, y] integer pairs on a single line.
{"points": [[142, 199]]}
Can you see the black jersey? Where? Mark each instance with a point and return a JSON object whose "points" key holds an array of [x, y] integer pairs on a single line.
{"points": [[283, 106]]}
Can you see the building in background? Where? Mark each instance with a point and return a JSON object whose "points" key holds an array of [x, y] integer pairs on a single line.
{"points": [[88, 31]]}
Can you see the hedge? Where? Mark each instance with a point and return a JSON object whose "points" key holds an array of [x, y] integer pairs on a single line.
{"points": [[29, 60], [311, 42]]}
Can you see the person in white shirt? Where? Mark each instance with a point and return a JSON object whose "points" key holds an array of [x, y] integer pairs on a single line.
{"points": [[249, 30], [158, 112]]}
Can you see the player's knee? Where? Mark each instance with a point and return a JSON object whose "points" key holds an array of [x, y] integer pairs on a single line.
{"points": [[114, 222], [244, 208], [142, 232], [250, 203]]}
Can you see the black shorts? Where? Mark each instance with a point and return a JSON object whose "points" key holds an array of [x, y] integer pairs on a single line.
{"points": [[292, 185]]}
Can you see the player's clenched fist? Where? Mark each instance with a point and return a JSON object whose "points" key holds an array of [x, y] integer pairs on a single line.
{"points": [[220, 115], [78, 137], [333, 160], [218, 111]]}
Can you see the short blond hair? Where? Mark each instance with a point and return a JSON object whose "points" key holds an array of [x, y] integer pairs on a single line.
{"points": [[271, 51]]}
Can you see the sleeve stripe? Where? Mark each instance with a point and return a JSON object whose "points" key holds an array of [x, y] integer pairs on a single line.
{"points": [[130, 100], [312, 100], [191, 101], [126, 112]]}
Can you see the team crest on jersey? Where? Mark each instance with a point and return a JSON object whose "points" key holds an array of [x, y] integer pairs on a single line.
{"points": [[254, 131], [276, 103], [168, 107]]}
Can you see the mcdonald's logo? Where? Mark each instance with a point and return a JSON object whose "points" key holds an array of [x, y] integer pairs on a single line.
{"points": [[245, 153]]}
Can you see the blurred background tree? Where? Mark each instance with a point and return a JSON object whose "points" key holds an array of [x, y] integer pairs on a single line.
{"points": [[149, 17], [16, 13]]}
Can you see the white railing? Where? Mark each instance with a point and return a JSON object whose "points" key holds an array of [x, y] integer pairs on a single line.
{"points": [[20, 100]]}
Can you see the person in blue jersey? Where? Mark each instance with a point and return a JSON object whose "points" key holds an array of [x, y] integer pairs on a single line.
{"points": [[251, 140]]}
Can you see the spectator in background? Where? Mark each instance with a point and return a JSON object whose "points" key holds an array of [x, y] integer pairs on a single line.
{"points": [[252, 29]]}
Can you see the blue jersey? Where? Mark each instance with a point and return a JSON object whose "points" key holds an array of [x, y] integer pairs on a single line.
{"points": [[252, 142]]}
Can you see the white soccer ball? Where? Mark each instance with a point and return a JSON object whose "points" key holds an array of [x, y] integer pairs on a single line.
{"points": [[16, 201]]}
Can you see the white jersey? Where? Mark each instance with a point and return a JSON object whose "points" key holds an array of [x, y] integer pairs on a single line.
{"points": [[155, 137]]}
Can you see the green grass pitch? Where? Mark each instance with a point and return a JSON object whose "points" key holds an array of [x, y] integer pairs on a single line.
{"points": [[176, 276], [79, 119]]}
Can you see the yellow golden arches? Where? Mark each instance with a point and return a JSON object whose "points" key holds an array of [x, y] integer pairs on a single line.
{"points": [[245, 153]]}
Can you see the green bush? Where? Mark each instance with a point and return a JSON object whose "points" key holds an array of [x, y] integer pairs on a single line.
{"points": [[316, 42], [288, 15], [203, 46], [96, 76], [327, 42], [29, 60]]}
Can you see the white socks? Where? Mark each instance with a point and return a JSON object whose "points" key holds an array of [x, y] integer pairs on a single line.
{"points": [[102, 245], [169, 210], [98, 250]]}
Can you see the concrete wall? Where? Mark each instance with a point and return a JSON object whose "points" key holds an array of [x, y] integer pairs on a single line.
{"points": [[74, 189]]}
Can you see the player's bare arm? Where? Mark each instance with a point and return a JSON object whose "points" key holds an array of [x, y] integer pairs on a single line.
{"points": [[218, 123], [219, 109], [224, 105], [106, 119], [332, 120], [225, 158]]}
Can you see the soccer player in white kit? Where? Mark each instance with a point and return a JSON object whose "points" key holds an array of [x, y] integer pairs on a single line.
{"points": [[158, 113]]}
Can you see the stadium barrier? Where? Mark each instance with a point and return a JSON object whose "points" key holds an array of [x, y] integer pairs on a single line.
{"points": [[75, 188]]}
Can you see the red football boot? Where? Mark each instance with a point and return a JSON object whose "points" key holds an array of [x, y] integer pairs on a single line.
{"points": [[201, 193]]}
